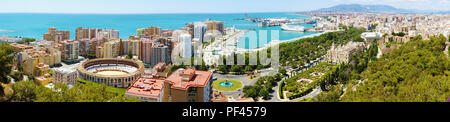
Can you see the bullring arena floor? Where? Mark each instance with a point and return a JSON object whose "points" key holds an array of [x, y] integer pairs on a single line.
{"points": [[111, 73]]}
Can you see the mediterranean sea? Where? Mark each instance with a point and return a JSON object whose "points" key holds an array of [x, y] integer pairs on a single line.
{"points": [[35, 25]]}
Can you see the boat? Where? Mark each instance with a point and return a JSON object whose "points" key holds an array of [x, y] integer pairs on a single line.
{"points": [[311, 22], [292, 27]]}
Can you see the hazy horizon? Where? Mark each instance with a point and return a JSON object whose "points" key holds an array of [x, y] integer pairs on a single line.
{"points": [[199, 6]]}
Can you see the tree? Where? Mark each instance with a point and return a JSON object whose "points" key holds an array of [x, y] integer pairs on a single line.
{"points": [[358, 39], [6, 58], [24, 91], [28, 40], [415, 72], [251, 91], [236, 68], [91, 56], [223, 68], [283, 71], [264, 93], [268, 86], [248, 68], [260, 81], [130, 54]]}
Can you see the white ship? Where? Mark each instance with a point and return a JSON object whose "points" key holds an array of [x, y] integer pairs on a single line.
{"points": [[292, 27]]}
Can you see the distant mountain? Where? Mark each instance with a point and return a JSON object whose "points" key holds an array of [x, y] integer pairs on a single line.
{"points": [[358, 8]]}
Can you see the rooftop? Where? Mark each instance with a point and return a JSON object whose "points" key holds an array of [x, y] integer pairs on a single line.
{"points": [[183, 79], [64, 70], [219, 97], [146, 87]]}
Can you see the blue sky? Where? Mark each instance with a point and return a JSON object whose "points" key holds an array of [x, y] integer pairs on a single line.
{"points": [[198, 6]]}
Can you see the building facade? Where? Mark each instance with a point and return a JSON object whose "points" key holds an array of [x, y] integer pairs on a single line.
{"points": [[188, 85], [342, 54], [108, 34], [131, 45], [90, 33], [56, 36], [111, 49], [70, 50], [85, 47], [216, 25], [200, 29], [160, 53], [185, 45], [145, 50], [65, 75], [149, 32], [86, 33]]}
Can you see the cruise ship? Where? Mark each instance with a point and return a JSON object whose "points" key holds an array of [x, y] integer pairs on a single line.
{"points": [[292, 27]]}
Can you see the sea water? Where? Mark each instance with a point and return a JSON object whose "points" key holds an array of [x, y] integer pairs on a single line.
{"points": [[34, 25]]}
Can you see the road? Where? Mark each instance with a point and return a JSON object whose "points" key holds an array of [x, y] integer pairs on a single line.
{"points": [[274, 96], [314, 93]]}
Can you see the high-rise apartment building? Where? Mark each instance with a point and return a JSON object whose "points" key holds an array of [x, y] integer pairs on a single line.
{"points": [[185, 45], [69, 50], [145, 50], [160, 53], [108, 34], [111, 49], [86, 33], [216, 25], [130, 45], [90, 33], [148, 32], [200, 29], [56, 36], [85, 47]]}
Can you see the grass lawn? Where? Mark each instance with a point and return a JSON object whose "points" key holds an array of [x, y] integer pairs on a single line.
{"points": [[236, 85], [108, 88]]}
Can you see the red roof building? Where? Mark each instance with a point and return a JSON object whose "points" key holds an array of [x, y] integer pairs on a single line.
{"points": [[188, 85], [147, 89]]}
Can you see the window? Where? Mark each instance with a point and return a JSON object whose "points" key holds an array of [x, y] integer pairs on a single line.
{"points": [[192, 90], [192, 94]]}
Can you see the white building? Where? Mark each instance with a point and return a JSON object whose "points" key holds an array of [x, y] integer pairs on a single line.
{"points": [[186, 45], [65, 75], [368, 36]]}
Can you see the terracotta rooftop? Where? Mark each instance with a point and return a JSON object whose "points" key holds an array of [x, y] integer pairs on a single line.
{"points": [[184, 79], [219, 97], [146, 87], [189, 72], [159, 67], [245, 100]]}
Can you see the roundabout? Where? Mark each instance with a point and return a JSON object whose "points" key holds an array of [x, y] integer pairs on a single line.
{"points": [[227, 85]]}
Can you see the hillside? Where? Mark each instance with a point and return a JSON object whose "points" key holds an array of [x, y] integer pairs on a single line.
{"points": [[416, 72]]}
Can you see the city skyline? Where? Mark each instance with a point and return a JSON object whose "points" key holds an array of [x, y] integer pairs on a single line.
{"points": [[207, 6]]}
